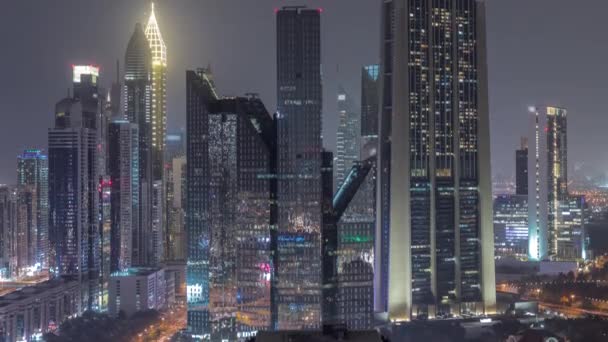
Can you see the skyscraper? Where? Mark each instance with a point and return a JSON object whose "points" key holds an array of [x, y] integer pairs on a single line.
{"points": [[33, 170], [298, 279], [200, 91], [137, 109], [521, 168], [8, 213], [511, 226], [369, 102], [231, 193], [123, 165], [347, 138], [26, 230], [547, 184], [434, 147], [571, 229], [158, 93], [72, 161]]}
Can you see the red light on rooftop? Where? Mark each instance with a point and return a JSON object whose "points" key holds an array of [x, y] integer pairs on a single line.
{"points": [[276, 10], [320, 10]]}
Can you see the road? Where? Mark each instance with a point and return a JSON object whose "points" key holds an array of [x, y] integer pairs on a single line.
{"points": [[571, 312], [169, 324]]}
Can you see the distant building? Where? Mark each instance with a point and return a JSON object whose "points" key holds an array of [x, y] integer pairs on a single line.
{"points": [[26, 314], [521, 168], [175, 233], [138, 289], [329, 334], [25, 251], [571, 229], [511, 226], [33, 171], [8, 221], [369, 101], [547, 179], [347, 137]]}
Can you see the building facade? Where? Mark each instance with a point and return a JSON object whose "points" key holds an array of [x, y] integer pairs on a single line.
{"points": [[511, 226], [298, 279], [439, 162], [547, 179], [33, 170], [8, 221], [521, 168], [138, 289], [571, 220], [348, 139]]}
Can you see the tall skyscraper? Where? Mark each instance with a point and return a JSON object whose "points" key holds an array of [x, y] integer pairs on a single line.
{"points": [[441, 246], [123, 165], [547, 184], [33, 171], [72, 161], [26, 230], [158, 94], [200, 91], [571, 229], [298, 278], [234, 187], [521, 168], [175, 234], [347, 138], [138, 110]]}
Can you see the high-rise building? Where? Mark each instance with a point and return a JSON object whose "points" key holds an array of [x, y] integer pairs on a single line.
{"points": [[231, 193], [547, 179], [437, 139], [8, 218], [86, 91], [369, 102], [158, 94], [137, 105], [299, 102], [33, 170], [123, 165], [72, 195], [200, 91], [175, 238], [105, 229], [347, 138], [511, 226], [26, 231], [521, 168], [571, 229], [156, 240]]}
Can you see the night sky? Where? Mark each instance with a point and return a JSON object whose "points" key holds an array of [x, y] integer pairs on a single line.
{"points": [[540, 52]]}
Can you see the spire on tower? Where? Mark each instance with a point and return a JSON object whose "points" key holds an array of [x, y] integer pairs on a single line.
{"points": [[157, 45]]}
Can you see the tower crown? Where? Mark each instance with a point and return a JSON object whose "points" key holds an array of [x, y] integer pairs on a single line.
{"points": [[157, 45]]}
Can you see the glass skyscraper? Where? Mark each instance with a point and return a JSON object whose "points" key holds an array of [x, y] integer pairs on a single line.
{"points": [[298, 248], [348, 137], [511, 226], [436, 221], [33, 170], [547, 178]]}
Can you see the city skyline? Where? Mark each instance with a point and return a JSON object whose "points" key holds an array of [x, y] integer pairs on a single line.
{"points": [[540, 75]]}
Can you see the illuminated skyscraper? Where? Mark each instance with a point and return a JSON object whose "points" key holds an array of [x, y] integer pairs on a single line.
{"points": [[298, 254], [571, 229], [33, 170], [347, 138], [511, 226], [434, 146], [124, 181], [231, 158], [158, 94], [137, 109], [369, 102], [547, 179]]}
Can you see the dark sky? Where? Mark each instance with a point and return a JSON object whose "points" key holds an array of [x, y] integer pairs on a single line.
{"points": [[540, 51]]}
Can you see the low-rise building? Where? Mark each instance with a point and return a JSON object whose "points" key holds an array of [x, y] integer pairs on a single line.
{"points": [[28, 313], [138, 289]]}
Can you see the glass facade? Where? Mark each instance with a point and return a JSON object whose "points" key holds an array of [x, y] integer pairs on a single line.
{"points": [[511, 226], [347, 138], [298, 244]]}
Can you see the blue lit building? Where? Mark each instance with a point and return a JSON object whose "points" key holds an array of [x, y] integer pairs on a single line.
{"points": [[511, 226]]}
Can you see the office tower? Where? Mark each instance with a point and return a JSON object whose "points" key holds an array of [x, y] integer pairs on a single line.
{"points": [[105, 230], [26, 231], [354, 208], [123, 166], [434, 51], [72, 195], [231, 157], [511, 226], [7, 227], [571, 229], [547, 184], [329, 244], [347, 138], [200, 91], [86, 90], [137, 109], [33, 170], [298, 280], [521, 168], [369, 106], [158, 94]]}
